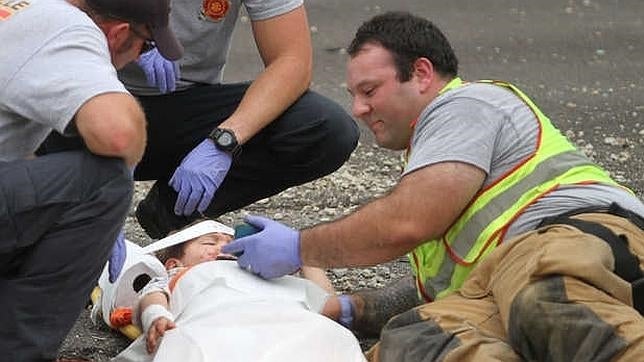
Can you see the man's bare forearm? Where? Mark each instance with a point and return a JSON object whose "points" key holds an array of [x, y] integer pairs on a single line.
{"points": [[374, 307]]}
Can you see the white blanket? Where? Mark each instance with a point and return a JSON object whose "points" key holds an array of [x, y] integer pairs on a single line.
{"points": [[226, 314]]}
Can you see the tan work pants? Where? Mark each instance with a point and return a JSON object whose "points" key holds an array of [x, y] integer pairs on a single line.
{"points": [[550, 294]]}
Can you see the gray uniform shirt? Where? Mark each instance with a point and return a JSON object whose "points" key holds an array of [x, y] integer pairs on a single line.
{"points": [[53, 59], [491, 128], [206, 39]]}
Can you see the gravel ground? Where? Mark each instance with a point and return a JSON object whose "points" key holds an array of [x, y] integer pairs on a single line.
{"points": [[586, 73]]}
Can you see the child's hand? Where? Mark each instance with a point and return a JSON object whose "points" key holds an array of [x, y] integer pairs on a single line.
{"points": [[156, 331], [340, 308], [331, 308]]}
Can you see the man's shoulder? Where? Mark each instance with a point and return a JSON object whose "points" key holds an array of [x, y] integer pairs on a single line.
{"points": [[478, 90], [47, 18], [56, 11], [470, 98]]}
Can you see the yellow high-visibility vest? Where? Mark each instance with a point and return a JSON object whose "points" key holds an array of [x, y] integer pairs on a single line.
{"points": [[441, 265]]}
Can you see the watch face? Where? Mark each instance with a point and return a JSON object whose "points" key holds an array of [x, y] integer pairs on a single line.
{"points": [[225, 139]]}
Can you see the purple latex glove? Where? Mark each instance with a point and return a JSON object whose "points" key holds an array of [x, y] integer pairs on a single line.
{"points": [[117, 258], [272, 252], [159, 71], [346, 310], [199, 176]]}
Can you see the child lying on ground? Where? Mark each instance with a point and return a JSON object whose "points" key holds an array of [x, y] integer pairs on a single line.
{"points": [[206, 305], [176, 259]]}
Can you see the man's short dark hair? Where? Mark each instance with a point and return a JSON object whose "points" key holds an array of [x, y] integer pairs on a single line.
{"points": [[407, 37]]}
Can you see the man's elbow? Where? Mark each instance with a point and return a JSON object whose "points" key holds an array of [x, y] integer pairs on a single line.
{"points": [[113, 125], [307, 73], [128, 144], [302, 67]]}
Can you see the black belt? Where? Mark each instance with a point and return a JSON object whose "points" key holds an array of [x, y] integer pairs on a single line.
{"points": [[626, 264]]}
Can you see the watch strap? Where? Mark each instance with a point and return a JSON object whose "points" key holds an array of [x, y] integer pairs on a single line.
{"points": [[216, 133]]}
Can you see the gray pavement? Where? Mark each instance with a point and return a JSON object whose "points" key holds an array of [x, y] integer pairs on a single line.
{"points": [[582, 62]]}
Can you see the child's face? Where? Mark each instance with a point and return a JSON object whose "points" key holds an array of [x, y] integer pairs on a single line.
{"points": [[204, 248]]}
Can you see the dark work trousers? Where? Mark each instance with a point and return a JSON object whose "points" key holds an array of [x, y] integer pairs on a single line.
{"points": [[59, 217], [311, 139]]}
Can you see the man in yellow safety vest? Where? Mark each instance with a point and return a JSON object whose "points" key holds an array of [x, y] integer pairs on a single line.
{"points": [[521, 247]]}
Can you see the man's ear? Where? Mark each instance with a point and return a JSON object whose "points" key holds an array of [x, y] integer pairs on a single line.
{"points": [[116, 33], [424, 72]]}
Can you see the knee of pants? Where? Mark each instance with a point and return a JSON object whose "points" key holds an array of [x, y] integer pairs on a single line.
{"points": [[341, 130], [105, 186], [101, 171], [64, 179], [543, 324]]}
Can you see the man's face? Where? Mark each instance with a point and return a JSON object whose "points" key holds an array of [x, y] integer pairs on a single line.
{"points": [[380, 100], [204, 248]]}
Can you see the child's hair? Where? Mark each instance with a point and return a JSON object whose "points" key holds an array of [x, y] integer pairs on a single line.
{"points": [[175, 251]]}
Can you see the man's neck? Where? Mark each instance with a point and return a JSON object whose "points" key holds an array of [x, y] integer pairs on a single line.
{"points": [[440, 86]]}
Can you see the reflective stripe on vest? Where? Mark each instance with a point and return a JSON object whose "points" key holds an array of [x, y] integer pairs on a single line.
{"points": [[443, 264]]}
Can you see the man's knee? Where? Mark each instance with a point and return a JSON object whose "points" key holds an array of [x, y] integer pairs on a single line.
{"points": [[91, 185], [335, 121], [110, 180], [316, 133], [109, 170], [545, 325], [38, 192]]}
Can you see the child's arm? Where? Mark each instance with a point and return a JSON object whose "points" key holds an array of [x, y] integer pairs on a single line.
{"points": [[157, 297], [318, 276], [341, 311], [366, 311], [155, 318]]}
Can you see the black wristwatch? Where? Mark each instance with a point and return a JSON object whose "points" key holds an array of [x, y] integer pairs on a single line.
{"points": [[225, 140]]}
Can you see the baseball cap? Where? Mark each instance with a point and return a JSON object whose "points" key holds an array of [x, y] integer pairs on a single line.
{"points": [[153, 13]]}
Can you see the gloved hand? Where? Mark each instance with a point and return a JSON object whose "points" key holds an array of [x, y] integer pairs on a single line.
{"points": [[272, 252], [245, 229], [198, 177], [159, 71], [117, 258]]}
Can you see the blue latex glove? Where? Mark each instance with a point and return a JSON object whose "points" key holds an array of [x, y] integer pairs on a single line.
{"points": [[159, 71], [346, 311], [199, 176], [117, 258], [272, 252]]}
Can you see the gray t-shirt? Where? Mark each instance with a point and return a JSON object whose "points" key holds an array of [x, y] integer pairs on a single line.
{"points": [[54, 58], [206, 38], [489, 127]]}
